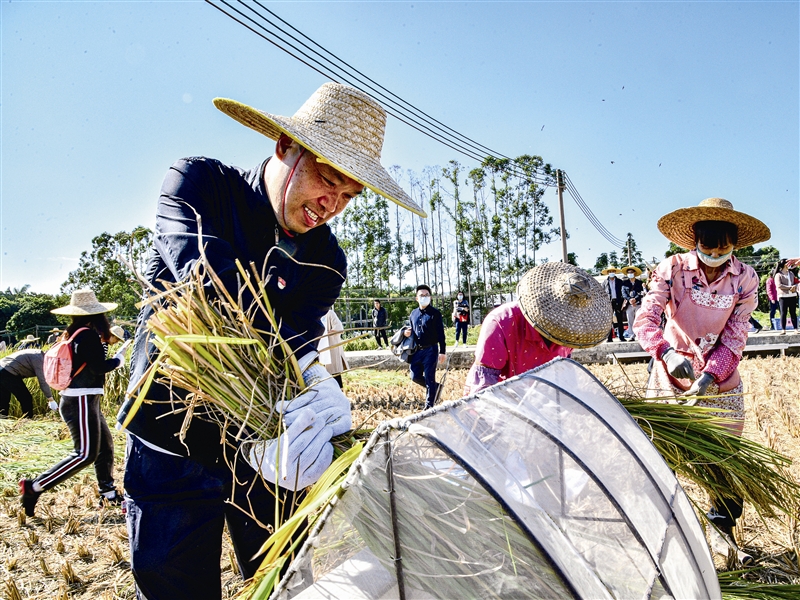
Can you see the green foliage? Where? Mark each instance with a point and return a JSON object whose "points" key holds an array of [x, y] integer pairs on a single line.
{"points": [[32, 310], [106, 268]]}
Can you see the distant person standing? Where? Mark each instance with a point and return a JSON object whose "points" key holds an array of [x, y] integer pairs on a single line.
{"points": [[53, 337], [379, 319], [461, 316], [427, 328], [772, 296], [613, 287], [786, 284], [14, 369], [632, 293]]}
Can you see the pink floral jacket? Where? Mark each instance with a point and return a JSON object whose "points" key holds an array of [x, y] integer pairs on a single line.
{"points": [[707, 322]]}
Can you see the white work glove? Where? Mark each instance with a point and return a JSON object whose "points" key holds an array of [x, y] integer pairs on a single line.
{"points": [[120, 355], [298, 458], [324, 397], [52, 404], [678, 366], [699, 387]]}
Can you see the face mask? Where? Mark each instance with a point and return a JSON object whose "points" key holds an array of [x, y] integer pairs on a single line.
{"points": [[612, 276], [710, 261], [461, 296], [631, 275], [424, 301]]}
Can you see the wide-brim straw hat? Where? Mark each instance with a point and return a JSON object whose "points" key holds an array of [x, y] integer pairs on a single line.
{"points": [[608, 270], [30, 337], [82, 303], [118, 332], [341, 126], [677, 225], [565, 304], [636, 270]]}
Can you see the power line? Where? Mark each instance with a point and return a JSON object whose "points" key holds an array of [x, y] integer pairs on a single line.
{"points": [[610, 238], [413, 120]]}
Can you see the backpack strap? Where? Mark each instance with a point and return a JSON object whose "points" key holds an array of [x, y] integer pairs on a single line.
{"points": [[69, 341]]}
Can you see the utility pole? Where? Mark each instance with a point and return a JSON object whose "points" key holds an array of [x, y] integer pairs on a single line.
{"points": [[560, 188], [629, 250]]}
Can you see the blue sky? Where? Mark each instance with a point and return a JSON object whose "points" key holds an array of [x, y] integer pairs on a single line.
{"points": [[688, 99]]}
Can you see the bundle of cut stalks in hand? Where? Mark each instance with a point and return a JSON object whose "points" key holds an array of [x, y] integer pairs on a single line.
{"points": [[221, 367]]}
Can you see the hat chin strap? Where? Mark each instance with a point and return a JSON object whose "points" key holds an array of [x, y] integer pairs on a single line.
{"points": [[285, 189]]}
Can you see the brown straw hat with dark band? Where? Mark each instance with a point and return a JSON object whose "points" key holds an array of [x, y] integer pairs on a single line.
{"points": [[342, 126], [677, 225], [565, 304]]}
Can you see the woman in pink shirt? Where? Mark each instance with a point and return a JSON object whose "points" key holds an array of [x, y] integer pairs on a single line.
{"points": [[707, 296], [560, 307]]}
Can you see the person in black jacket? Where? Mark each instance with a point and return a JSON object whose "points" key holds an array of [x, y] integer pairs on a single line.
{"points": [[461, 316], [613, 287], [379, 319], [181, 491], [427, 328], [632, 292], [80, 403]]}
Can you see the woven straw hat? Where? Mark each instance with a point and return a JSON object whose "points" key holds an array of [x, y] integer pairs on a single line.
{"points": [[341, 126], [677, 225], [608, 270], [82, 303], [565, 304], [636, 270], [30, 337], [118, 332]]}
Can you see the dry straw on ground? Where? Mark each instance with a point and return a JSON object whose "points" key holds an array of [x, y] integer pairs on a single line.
{"points": [[74, 550]]}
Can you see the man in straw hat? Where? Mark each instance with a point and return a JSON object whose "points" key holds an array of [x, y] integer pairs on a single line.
{"points": [[181, 491], [560, 307], [613, 287], [707, 296], [632, 292]]}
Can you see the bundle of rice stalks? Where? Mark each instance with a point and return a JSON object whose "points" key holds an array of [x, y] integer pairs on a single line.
{"points": [[697, 445]]}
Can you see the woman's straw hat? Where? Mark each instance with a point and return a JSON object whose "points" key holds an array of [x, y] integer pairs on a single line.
{"points": [[30, 337], [82, 303], [118, 332], [565, 304], [341, 126], [608, 270], [677, 225], [636, 270]]}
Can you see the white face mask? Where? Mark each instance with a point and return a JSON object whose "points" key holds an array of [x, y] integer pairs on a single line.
{"points": [[712, 262], [612, 275], [424, 301], [460, 296], [631, 275]]}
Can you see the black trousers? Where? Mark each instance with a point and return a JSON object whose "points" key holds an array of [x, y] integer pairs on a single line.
{"points": [[461, 327], [616, 306], [14, 385], [92, 444], [788, 308], [176, 510], [381, 333]]}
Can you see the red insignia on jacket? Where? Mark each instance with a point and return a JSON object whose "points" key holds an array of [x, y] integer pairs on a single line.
{"points": [[281, 283]]}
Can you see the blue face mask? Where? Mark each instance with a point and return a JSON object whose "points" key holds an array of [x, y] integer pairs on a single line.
{"points": [[710, 261]]}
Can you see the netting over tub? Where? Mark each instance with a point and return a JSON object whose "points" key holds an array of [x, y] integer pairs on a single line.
{"points": [[540, 487]]}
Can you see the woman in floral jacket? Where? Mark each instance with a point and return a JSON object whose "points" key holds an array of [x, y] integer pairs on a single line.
{"points": [[707, 296]]}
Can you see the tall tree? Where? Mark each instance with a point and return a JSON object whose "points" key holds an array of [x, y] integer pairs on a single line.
{"points": [[106, 268]]}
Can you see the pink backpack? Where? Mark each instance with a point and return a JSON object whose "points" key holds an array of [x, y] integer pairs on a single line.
{"points": [[58, 363]]}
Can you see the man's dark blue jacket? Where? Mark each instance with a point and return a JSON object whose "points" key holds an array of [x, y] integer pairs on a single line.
{"points": [[428, 327], [236, 221]]}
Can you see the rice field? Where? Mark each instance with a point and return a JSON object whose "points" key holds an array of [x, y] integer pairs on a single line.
{"points": [[75, 549]]}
